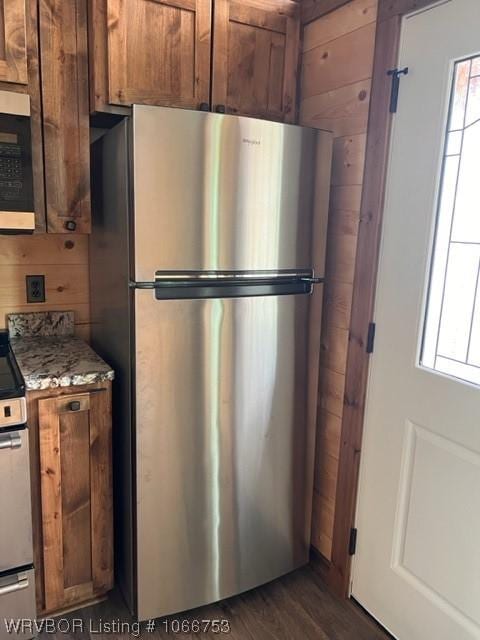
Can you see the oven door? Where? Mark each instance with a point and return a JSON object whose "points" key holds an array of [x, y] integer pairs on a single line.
{"points": [[16, 549]]}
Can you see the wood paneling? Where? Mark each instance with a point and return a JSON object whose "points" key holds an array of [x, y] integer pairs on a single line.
{"points": [[334, 348], [64, 262], [348, 18], [13, 42], [64, 68], [331, 389], [348, 160], [343, 111], [346, 197], [335, 94], [255, 58], [338, 63], [72, 494], [337, 304], [314, 9], [322, 511], [331, 426]]}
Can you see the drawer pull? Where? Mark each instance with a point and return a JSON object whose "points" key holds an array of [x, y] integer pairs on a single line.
{"points": [[10, 441], [19, 583], [74, 405]]}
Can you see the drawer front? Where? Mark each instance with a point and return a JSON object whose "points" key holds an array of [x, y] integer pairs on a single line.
{"points": [[15, 503], [17, 601]]}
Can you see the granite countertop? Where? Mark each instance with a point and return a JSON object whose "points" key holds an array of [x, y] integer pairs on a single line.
{"points": [[48, 353], [47, 362]]}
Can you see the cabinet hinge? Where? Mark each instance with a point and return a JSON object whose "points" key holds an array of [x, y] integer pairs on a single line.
{"points": [[352, 543], [370, 337], [395, 74]]}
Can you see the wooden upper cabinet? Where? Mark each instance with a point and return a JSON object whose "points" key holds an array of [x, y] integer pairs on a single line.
{"points": [[64, 72], [255, 58], [161, 52], [157, 52], [13, 42]]}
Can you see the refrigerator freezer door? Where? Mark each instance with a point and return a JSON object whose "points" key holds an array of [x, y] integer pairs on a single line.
{"points": [[216, 192], [223, 444]]}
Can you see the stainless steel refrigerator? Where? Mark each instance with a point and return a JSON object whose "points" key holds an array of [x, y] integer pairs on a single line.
{"points": [[207, 256]]}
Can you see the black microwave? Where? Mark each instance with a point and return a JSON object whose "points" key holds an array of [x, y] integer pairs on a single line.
{"points": [[16, 174]]}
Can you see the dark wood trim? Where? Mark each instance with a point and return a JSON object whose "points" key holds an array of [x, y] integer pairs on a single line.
{"points": [[387, 40], [313, 9], [389, 8]]}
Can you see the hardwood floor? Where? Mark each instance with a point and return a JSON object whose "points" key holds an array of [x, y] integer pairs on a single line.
{"points": [[297, 606]]}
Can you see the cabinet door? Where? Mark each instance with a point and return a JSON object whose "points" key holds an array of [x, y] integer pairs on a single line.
{"points": [[13, 45], [255, 58], [76, 497], [159, 52], [64, 65]]}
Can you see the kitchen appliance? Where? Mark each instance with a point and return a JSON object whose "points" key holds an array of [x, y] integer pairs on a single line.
{"points": [[208, 241], [17, 583], [16, 173]]}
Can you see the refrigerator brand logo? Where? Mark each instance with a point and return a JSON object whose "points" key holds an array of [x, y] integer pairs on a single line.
{"points": [[250, 141]]}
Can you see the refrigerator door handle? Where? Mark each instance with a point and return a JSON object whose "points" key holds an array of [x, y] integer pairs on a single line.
{"points": [[197, 278], [313, 280], [234, 276]]}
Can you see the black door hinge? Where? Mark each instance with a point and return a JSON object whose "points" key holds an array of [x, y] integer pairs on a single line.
{"points": [[395, 73], [370, 337], [352, 543]]}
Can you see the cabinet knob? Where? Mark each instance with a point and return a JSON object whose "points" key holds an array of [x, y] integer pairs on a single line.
{"points": [[70, 225], [204, 106], [220, 108], [74, 405]]}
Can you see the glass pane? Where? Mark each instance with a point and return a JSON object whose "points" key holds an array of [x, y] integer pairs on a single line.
{"points": [[466, 221], [454, 143], [473, 103], [459, 97], [475, 66], [451, 342]]}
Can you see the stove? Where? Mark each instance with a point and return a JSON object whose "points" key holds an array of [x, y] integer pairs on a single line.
{"points": [[17, 580]]}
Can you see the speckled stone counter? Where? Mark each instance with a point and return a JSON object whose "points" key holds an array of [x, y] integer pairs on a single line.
{"points": [[50, 362], [49, 355]]}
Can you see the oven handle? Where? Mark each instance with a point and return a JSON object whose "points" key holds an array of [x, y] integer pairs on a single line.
{"points": [[21, 582], [10, 441]]}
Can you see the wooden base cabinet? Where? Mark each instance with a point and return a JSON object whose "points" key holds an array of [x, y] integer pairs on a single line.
{"points": [[70, 431]]}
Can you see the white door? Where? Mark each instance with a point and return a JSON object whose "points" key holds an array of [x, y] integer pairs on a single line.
{"points": [[417, 568]]}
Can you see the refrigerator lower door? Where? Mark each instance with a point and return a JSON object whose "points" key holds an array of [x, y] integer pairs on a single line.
{"points": [[223, 446], [17, 604]]}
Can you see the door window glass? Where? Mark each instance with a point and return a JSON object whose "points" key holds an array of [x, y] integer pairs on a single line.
{"points": [[452, 329]]}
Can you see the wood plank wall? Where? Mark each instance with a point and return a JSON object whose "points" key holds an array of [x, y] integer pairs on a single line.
{"points": [[335, 92], [63, 260]]}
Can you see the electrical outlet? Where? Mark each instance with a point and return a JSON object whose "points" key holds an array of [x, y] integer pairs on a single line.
{"points": [[35, 288]]}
